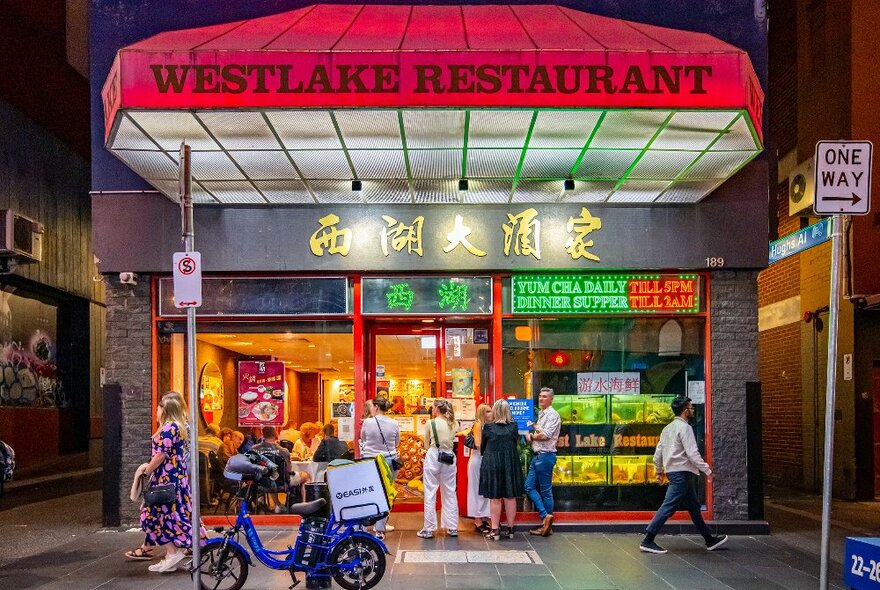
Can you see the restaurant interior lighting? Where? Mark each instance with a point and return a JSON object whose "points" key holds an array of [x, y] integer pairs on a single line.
{"points": [[357, 185], [463, 185]]}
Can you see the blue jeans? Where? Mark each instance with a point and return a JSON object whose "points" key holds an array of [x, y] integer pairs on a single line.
{"points": [[680, 493], [539, 482]]}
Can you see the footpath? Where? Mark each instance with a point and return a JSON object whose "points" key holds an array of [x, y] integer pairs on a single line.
{"points": [[58, 544]]}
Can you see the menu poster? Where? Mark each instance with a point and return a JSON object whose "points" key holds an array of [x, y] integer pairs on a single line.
{"points": [[261, 393], [421, 423], [465, 409], [405, 423], [463, 382]]}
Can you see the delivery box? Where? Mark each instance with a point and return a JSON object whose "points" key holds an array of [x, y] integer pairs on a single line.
{"points": [[357, 490]]}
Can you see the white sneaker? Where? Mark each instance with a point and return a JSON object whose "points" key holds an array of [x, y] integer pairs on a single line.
{"points": [[388, 528], [168, 564]]}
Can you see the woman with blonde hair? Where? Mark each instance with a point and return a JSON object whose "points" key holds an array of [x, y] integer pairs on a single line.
{"points": [[304, 449], [439, 470], [477, 505], [501, 478], [170, 524]]}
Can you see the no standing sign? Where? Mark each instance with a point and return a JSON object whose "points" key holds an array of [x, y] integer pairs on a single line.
{"points": [[187, 279], [843, 178]]}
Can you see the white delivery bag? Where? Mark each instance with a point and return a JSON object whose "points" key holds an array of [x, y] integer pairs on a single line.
{"points": [[357, 491]]}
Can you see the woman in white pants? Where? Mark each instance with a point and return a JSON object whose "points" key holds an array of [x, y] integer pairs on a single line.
{"points": [[439, 436], [477, 505]]}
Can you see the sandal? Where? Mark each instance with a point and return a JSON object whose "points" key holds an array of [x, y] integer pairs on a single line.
{"points": [[482, 528], [493, 535], [507, 532], [140, 554]]}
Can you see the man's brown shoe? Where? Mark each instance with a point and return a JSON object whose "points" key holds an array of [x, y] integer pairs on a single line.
{"points": [[547, 529], [538, 532]]}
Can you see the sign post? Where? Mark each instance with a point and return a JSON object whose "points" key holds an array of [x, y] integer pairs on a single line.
{"points": [[188, 278], [843, 188]]}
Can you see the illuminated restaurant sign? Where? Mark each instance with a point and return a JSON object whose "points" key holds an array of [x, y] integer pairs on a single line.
{"points": [[592, 294], [426, 295]]}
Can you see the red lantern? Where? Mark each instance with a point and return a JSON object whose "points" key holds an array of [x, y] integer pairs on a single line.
{"points": [[559, 359]]}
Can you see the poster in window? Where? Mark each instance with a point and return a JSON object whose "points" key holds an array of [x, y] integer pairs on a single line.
{"points": [[261, 399], [463, 382]]}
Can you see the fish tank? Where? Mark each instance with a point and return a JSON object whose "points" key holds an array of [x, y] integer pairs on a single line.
{"points": [[562, 471], [562, 404], [629, 470], [658, 410], [589, 409], [590, 470], [627, 409], [652, 472]]}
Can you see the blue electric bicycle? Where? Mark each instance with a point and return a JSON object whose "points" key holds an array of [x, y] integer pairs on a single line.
{"points": [[324, 546]]}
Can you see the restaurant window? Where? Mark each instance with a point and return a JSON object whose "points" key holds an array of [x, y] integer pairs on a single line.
{"points": [[294, 376], [614, 379], [29, 364]]}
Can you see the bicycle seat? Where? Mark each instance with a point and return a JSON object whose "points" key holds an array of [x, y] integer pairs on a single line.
{"points": [[307, 508]]}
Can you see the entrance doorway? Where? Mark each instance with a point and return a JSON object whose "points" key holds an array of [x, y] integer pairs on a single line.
{"points": [[411, 365]]}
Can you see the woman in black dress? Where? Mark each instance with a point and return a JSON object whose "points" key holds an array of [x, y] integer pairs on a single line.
{"points": [[501, 478]]}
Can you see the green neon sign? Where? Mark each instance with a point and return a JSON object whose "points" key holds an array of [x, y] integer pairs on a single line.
{"points": [[426, 295], [605, 294]]}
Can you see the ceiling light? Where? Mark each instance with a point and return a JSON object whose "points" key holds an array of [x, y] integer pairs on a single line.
{"points": [[463, 184], [242, 343], [356, 186], [568, 185], [328, 354], [312, 345]]}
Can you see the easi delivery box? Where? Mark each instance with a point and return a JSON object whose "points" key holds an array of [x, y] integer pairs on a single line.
{"points": [[357, 490]]}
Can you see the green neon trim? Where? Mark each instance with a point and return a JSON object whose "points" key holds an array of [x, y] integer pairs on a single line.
{"points": [[409, 178], [522, 156], [644, 151], [708, 148], [580, 158], [342, 142], [467, 129]]}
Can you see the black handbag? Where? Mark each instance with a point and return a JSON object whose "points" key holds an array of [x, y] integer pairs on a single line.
{"points": [[396, 463], [442, 456], [469, 441], [160, 495]]}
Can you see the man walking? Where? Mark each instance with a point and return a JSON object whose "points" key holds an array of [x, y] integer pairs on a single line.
{"points": [[678, 457], [539, 481]]}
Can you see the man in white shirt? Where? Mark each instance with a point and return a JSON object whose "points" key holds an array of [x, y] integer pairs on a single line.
{"points": [[677, 456], [539, 481]]}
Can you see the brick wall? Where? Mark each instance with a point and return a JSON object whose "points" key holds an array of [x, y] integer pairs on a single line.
{"points": [[127, 361], [734, 312]]}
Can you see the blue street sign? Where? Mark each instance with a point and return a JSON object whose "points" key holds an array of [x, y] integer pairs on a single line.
{"points": [[800, 240], [861, 563]]}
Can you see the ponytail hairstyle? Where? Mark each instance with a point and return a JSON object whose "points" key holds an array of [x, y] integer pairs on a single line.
{"points": [[445, 408]]}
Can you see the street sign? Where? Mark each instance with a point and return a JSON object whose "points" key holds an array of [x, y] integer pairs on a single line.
{"points": [[187, 279], [861, 563], [843, 178]]}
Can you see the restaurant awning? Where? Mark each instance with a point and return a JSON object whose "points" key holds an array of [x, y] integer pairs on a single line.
{"points": [[411, 100]]}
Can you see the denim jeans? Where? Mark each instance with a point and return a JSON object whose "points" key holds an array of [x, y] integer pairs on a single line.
{"points": [[539, 482], [681, 493]]}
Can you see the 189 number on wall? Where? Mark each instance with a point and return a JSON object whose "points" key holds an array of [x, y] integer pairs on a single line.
{"points": [[714, 261]]}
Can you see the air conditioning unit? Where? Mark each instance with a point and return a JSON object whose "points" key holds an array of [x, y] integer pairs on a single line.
{"points": [[20, 237], [800, 189]]}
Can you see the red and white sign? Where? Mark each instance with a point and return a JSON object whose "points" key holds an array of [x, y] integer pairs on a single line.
{"points": [[187, 279], [261, 393]]}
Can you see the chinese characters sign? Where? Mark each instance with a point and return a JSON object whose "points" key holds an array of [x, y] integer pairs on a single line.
{"points": [[261, 397], [427, 295], [605, 294], [608, 383], [518, 236]]}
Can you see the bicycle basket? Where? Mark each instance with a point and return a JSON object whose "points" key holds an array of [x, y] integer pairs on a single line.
{"points": [[312, 542]]}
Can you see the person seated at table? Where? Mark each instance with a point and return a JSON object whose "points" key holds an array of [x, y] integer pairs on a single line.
{"points": [[270, 445], [251, 437], [304, 449], [290, 433], [331, 448], [229, 447], [210, 441]]}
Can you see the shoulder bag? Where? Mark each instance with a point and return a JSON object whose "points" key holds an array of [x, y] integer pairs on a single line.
{"points": [[469, 440], [396, 463], [442, 456], [161, 495]]}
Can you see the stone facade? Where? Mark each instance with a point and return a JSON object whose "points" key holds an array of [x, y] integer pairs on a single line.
{"points": [[733, 306], [128, 358]]}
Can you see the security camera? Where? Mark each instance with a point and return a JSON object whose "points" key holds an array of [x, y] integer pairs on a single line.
{"points": [[128, 278]]}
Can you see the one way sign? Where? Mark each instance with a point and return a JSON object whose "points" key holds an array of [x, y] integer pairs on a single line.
{"points": [[843, 178]]}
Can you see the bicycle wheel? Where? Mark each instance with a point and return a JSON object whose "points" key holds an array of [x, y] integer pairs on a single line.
{"points": [[358, 563], [223, 569]]}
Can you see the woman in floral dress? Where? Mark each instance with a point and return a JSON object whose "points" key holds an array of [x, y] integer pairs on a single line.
{"points": [[170, 524]]}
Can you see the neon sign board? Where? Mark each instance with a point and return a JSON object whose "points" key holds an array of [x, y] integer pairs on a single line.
{"points": [[426, 295], [605, 294]]}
